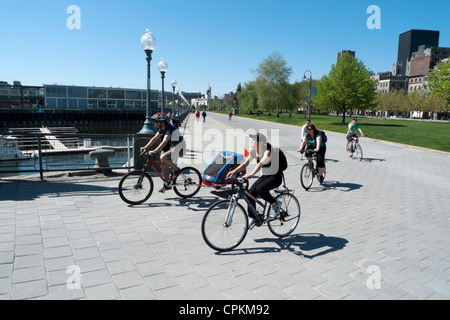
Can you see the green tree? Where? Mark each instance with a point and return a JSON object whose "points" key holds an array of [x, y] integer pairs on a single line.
{"points": [[238, 91], [248, 98], [346, 87], [393, 101], [425, 102], [272, 82], [439, 82]]}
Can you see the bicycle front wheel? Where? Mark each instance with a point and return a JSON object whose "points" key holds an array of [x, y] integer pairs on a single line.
{"points": [[289, 216], [359, 152], [222, 229], [135, 187], [188, 183], [307, 176]]}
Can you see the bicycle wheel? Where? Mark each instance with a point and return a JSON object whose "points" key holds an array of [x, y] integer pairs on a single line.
{"points": [[220, 235], [307, 176], [135, 187], [188, 183], [359, 152], [289, 216]]}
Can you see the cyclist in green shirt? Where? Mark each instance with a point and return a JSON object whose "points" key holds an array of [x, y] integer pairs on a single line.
{"points": [[353, 128]]}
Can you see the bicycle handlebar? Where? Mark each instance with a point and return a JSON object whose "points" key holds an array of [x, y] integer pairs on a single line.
{"points": [[143, 152], [238, 177], [308, 152]]}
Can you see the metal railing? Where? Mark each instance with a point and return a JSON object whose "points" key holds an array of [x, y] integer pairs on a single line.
{"points": [[46, 152]]}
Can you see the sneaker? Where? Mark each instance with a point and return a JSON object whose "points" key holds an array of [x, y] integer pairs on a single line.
{"points": [[165, 187], [254, 222], [320, 179], [275, 211]]}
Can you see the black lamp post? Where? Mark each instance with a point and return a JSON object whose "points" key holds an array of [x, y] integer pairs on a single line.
{"points": [[310, 93], [179, 101], [148, 43], [162, 66], [174, 85]]}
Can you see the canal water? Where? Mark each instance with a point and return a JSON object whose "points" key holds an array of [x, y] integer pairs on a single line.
{"points": [[79, 161]]}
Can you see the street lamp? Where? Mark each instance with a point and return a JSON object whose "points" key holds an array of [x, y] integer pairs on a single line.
{"points": [[179, 101], [174, 85], [162, 66], [148, 43], [310, 92]]}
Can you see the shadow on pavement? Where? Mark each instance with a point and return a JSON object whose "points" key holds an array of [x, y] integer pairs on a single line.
{"points": [[20, 190], [342, 186], [195, 203], [307, 245], [372, 159]]}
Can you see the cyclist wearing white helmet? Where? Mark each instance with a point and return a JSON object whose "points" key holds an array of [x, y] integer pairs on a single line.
{"points": [[172, 146]]}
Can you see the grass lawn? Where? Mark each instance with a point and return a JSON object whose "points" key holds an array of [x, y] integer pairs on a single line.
{"points": [[432, 135]]}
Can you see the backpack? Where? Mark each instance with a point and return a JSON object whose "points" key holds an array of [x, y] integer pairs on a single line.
{"points": [[324, 136], [282, 159]]}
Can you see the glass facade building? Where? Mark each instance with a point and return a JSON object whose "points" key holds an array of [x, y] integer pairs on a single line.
{"points": [[82, 98], [77, 97]]}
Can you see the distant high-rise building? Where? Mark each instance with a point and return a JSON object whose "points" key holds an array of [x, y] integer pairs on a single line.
{"points": [[340, 53], [409, 42]]}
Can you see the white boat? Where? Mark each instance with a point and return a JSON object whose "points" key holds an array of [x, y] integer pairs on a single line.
{"points": [[9, 149]]}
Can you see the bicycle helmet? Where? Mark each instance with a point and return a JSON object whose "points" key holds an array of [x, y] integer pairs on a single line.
{"points": [[160, 116]]}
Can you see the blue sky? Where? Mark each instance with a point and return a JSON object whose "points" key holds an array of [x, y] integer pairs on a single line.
{"points": [[203, 41]]}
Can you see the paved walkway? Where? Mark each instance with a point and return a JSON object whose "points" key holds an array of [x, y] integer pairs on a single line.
{"points": [[377, 229]]}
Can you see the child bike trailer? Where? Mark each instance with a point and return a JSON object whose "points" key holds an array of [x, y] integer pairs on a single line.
{"points": [[216, 172]]}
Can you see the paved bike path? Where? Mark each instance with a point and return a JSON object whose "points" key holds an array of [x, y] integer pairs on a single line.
{"points": [[376, 229]]}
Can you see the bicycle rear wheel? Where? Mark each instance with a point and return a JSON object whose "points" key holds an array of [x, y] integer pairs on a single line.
{"points": [[218, 233], [135, 187], [307, 176], [359, 152], [289, 216], [188, 183]]}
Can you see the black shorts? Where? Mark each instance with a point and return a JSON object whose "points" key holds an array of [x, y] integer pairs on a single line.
{"points": [[350, 137]]}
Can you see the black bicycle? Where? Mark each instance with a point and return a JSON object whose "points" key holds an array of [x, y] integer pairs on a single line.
{"points": [[225, 224], [310, 170], [136, 187]]}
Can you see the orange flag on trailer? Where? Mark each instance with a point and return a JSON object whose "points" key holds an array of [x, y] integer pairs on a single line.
{"points": [[246, 153]]}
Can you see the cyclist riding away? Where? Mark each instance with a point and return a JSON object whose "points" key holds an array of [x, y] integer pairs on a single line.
{"points": [[353, 127], [172, 146], [273, 162], [313, 140]]}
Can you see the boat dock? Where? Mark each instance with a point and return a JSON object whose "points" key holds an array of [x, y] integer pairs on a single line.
{"points": [[57, 141]]}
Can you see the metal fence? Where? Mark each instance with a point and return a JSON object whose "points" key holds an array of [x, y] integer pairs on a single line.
{"points": [[28, 152]]}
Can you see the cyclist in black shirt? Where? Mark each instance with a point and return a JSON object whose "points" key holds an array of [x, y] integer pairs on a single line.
{"points": [[172, 146], [268, 160]]}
